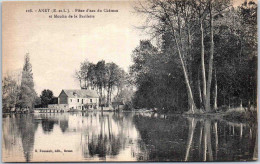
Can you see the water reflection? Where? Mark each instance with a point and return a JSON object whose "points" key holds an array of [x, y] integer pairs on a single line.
{"points": [[19, 129], [125, 137], [194, 139]]}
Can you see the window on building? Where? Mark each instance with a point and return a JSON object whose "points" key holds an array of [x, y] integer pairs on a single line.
{"points": [[78, 100], [82, 101], [90, 100], [70, 100], [90, 106]]}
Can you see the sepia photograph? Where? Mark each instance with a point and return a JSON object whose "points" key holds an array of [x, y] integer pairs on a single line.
{"points": [[129, 81]]}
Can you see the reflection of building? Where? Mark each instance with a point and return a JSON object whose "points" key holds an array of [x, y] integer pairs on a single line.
{"points": [[80, 99]]}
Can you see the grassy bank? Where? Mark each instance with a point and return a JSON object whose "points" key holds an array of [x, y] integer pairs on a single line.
{"points": [[240, 114], [231, 114]]}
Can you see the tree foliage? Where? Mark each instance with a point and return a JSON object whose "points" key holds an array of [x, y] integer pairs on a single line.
{"points": [[103, 77], [10, 93], [201, 43], [46, 97], [27, 93]]}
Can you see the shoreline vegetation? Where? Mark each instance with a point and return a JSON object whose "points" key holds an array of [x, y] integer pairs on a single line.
{"points": [[238, 114]]}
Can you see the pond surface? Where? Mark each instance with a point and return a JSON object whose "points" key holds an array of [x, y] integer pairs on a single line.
{"points": [[124, 137]]}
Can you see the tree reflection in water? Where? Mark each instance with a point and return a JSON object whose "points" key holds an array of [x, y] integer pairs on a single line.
{"points": [[47, 125], [64, 124], [107, 136], [27, 128], [141, 136], [194, 139]]}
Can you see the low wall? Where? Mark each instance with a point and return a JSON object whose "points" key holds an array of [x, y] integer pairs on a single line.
{"points": [[64, 107]]}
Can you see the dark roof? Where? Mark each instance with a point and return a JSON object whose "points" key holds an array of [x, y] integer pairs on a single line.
{"points": [[82, 93]]}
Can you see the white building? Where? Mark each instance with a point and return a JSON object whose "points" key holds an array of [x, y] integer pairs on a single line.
{"points": [[80, 99]]}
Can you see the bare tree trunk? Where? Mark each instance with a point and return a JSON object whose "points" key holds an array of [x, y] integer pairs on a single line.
{"points": [[199, 90], [80, 83], [110, 95], [85, 83], [101, 99], [203, 64], [108, 89], [210, 59], [190, 57], [241, 131], [241, 105], [192, 106], [216, 92]]}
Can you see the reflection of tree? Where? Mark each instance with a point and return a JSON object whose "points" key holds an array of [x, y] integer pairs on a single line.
{"points": [[216, 139], [162, 139], [192, 126], [111, 137], [27, 128], [199, 140], [207, 141], [64, 124], [47, 125], [100, 148], [104, 146], [115, 145]]}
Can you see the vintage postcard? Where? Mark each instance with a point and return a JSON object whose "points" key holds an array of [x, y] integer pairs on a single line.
{"points": [[139, 80]]}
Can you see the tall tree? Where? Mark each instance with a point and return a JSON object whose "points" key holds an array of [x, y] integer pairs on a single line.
{"points": [[101, 79], [115, 76], [27, 92], [173, 16]]}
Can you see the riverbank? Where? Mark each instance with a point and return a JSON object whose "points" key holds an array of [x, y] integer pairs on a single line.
{"points": [[231, 114]]}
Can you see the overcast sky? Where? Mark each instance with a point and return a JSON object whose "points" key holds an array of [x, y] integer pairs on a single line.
{"points": [[58, 46]]}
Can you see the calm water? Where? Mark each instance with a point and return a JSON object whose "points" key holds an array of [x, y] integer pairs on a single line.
{"points": [[124, 137]]}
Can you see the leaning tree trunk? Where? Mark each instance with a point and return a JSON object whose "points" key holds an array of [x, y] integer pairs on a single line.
{"points": [[203, 73], [210, 59], [192, 106]]}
